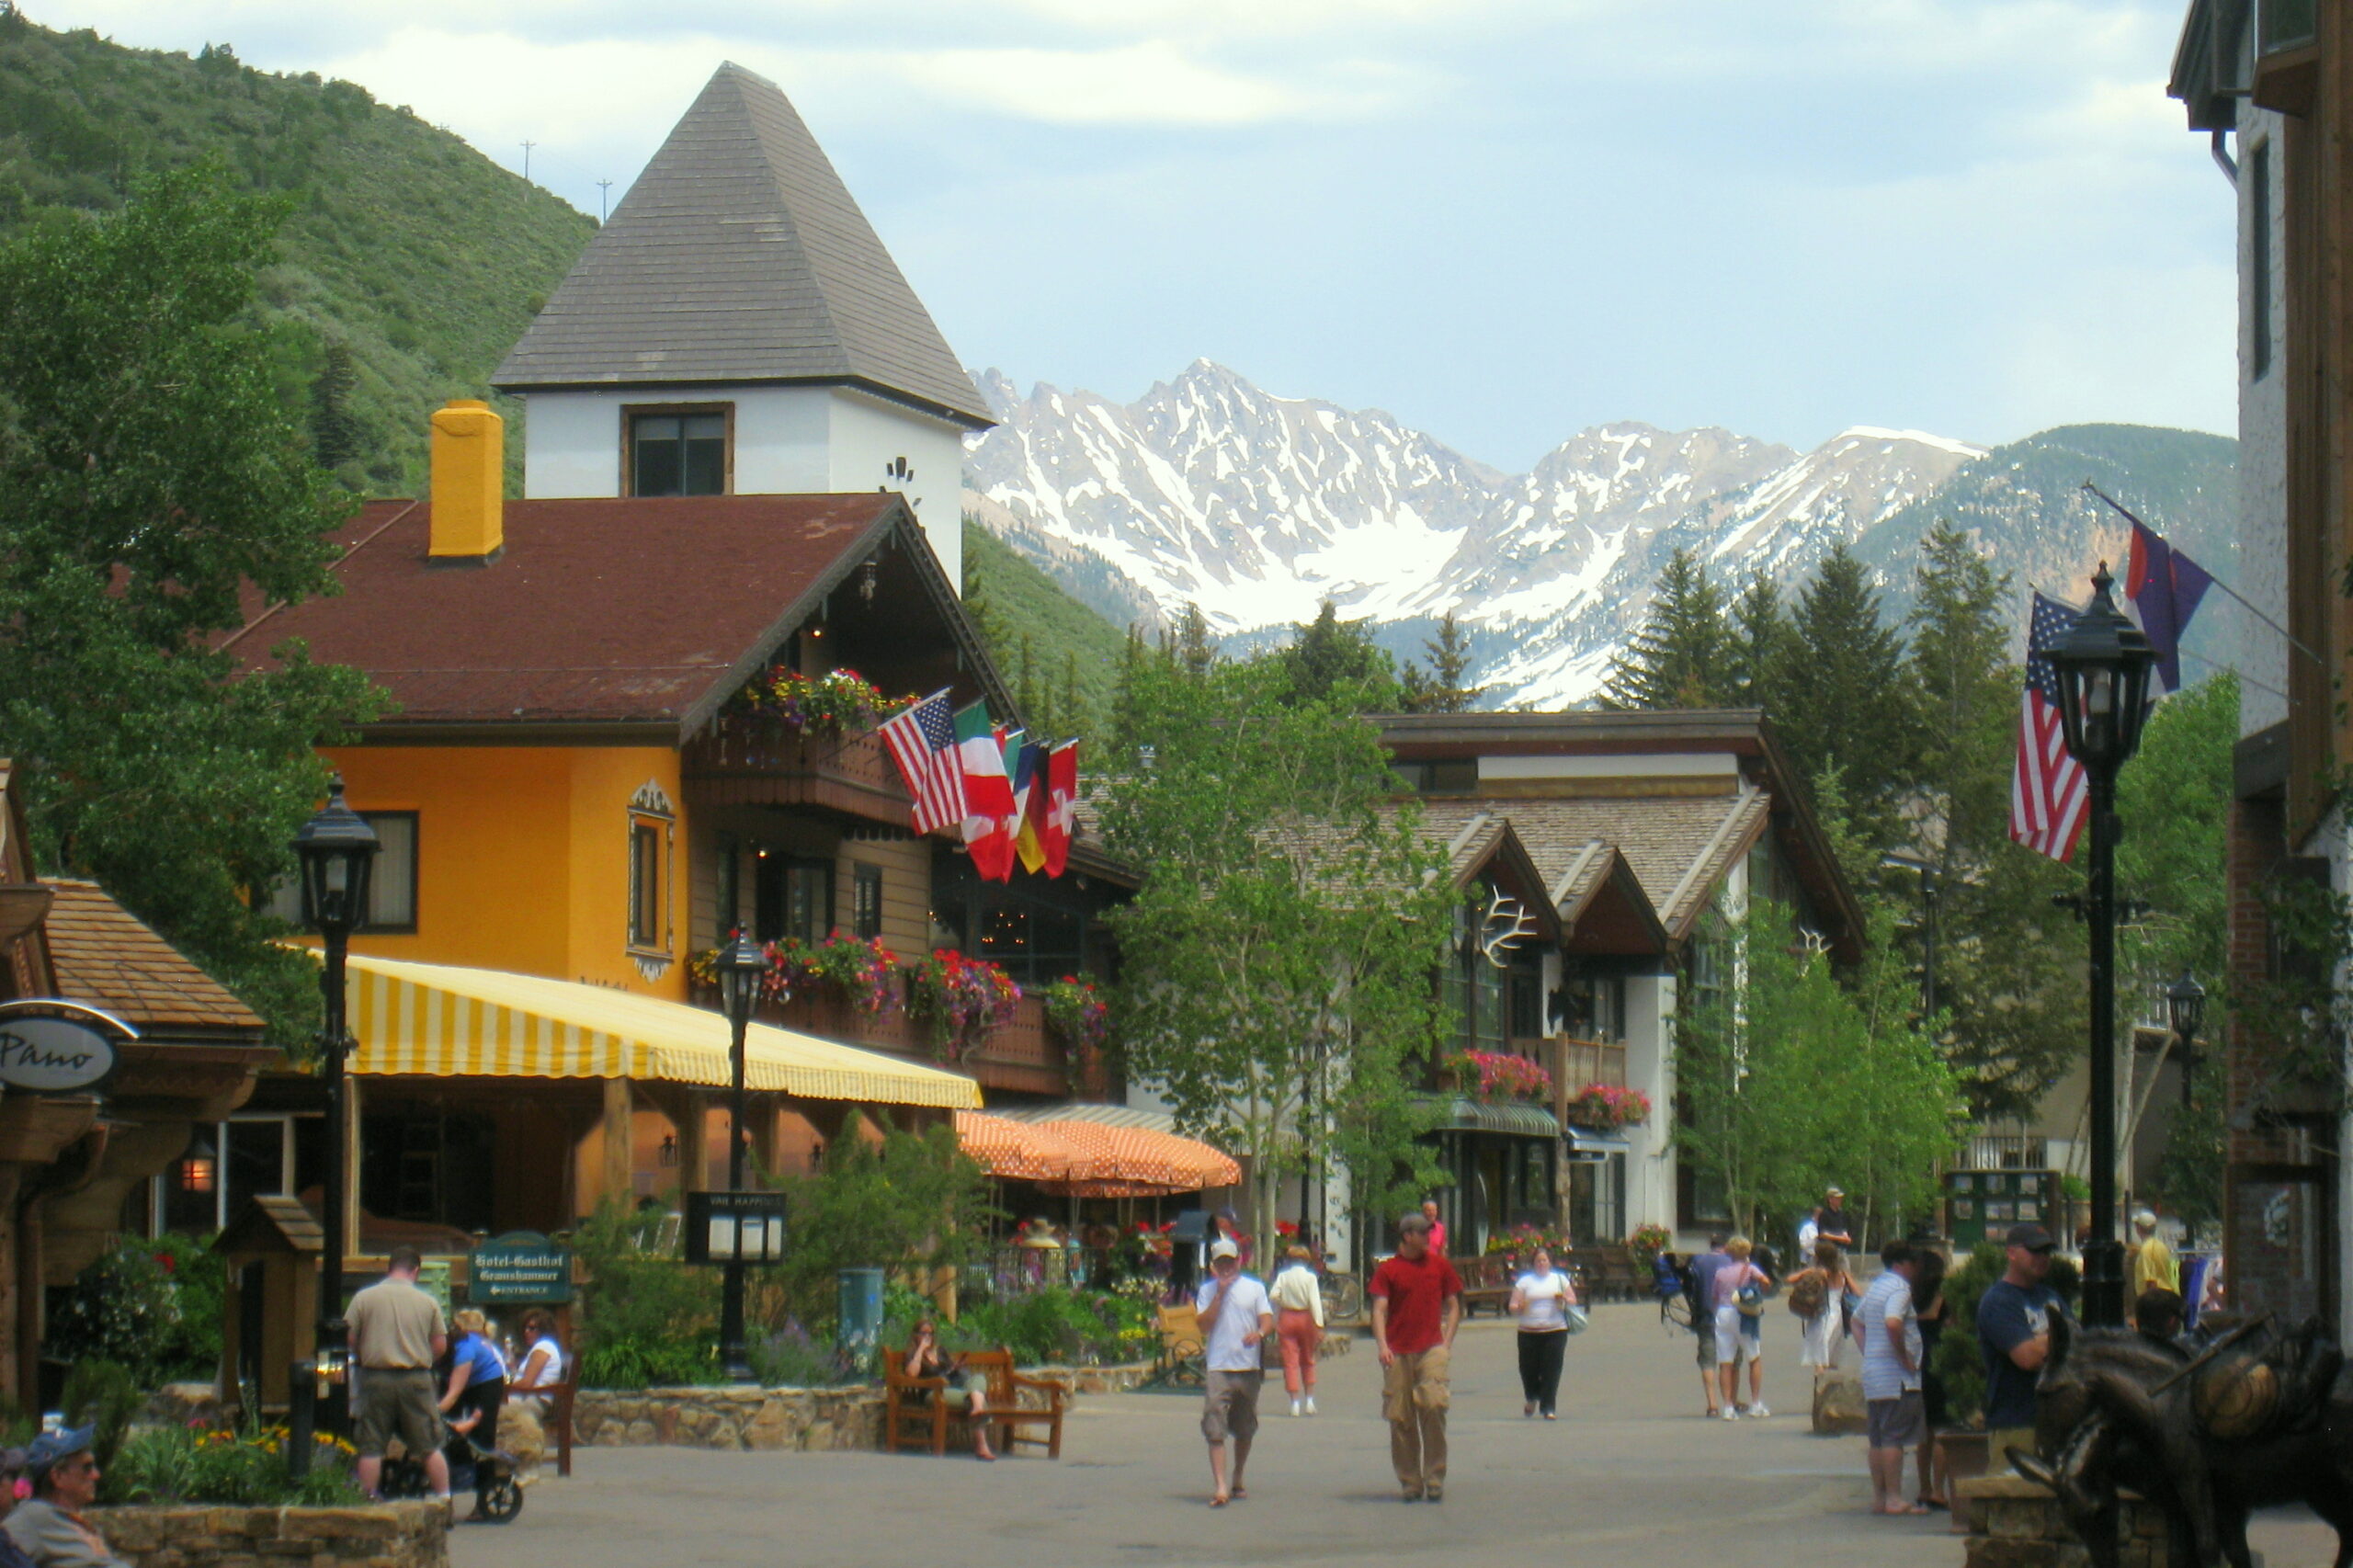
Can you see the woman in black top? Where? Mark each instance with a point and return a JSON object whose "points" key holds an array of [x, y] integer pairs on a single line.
{"points": [[1928, 1301]]}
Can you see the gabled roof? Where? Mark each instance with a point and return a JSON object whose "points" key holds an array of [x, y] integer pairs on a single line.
{"points": [[1603, 907], [1487, 842], [613, 612], [109, 958], [739, 257]]}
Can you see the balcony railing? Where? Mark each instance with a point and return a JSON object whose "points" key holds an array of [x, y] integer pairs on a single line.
{"points": [[753, 761], [1584, 1062]]}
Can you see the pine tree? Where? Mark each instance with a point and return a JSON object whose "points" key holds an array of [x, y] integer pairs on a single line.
{"points": [[1127, 702], [1070, 703], [1847, 705], [1762, 643], [1036, 703], [334, 434], [1331, 656], [1194, 650], [980, 611], [1440, 689], [1678, 658]]}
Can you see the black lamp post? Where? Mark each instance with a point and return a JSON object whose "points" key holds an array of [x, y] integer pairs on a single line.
{"points": [[2102, 667], [336, 852], [2185, 1010], [740, 965]]}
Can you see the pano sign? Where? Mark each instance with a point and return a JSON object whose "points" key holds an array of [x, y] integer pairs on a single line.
{"points": [[43, 1055]]}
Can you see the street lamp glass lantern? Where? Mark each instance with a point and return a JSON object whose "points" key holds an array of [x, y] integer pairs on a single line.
{"points": [[740, 965], [2186, 1007], [2102, 667], [336, 851]]}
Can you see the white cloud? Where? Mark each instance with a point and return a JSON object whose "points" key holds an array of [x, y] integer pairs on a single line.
{"points": [[1142, 83]]}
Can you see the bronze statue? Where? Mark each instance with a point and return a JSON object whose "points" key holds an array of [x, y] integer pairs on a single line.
{"points": [[2259, 1417]]}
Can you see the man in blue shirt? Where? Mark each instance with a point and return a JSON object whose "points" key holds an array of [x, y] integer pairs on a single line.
{"points": [[2014, 1334], [1703, 1313]]}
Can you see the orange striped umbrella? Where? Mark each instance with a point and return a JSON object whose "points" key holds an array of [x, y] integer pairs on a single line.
{"points": [[1138, 1154], [1020, 1150]]}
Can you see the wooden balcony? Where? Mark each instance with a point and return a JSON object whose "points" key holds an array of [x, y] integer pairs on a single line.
{"points": [[1584, 1062], [1024, 1056], [749, 760]]}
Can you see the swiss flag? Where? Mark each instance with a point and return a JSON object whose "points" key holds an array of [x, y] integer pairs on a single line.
{"points": [[1061, 804]]}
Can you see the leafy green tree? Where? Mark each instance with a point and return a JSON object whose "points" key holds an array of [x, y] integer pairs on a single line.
{"points": [[1331, 659], [1443, 686], [1280, 956], [2174, 798], [1795, 1080], [1678, 659], [900, 1200], [151, 474], [1846, 704]]}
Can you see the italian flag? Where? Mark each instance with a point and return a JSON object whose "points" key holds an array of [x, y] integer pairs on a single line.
{"points": [[988, 794]]}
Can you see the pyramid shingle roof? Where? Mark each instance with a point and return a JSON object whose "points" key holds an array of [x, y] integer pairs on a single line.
{"points": [[739, 257]]}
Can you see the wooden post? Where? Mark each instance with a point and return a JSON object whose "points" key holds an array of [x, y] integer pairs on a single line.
{"points": [[620, 1140]]}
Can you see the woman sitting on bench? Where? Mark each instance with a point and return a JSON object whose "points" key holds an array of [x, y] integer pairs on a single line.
{"points": [[926, 1359]]}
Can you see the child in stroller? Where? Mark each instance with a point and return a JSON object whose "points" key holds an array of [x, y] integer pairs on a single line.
{"points": [[489, 1474]]}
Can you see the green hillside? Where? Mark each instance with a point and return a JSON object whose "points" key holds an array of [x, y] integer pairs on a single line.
{"points": [[407, 254], [2025, 506], [1020, 609]]}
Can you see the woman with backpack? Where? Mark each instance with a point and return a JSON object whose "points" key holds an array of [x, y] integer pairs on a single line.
{"points": [[1740, 1289], [1817, 1295]]}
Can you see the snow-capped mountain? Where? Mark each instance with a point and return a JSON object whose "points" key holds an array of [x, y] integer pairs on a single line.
{"points": [[1257, 508]]}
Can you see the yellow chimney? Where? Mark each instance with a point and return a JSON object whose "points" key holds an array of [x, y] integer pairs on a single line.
{"points": [[468, 481]]}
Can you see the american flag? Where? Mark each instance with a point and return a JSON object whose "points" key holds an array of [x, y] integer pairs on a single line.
{"points": [[922, 742], [2049, 794]]}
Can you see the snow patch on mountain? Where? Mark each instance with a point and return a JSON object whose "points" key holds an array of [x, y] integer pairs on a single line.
{"points": [[1209, 490]]}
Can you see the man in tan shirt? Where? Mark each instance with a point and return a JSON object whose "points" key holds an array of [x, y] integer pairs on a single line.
{"points": [[397, 1334]]}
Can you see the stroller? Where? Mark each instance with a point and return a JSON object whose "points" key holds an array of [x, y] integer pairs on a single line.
{"points": [[488, 1473]]}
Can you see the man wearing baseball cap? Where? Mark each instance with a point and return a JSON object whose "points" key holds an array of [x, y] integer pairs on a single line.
{"points": [[2152, 1265], [2014, 1335], [1236, 1317], [47, 1527]]}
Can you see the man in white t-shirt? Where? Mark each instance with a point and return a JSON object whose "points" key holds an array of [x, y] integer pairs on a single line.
{"points": [[1896, 1420], [1235, 1317]]}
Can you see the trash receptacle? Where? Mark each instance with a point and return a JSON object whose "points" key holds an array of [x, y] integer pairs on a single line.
{"points": [[861, 1314]]}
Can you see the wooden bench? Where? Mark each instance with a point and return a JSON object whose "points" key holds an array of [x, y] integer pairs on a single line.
{"points": [[1612, 1275], [921, 1406], [1486, 1282], [1182, 1348]]}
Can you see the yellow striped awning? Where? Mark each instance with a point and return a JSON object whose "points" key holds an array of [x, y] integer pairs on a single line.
{"points": [[442, 1021]]}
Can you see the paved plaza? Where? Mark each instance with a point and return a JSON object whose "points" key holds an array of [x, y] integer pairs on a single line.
{"points": [[1629, 1475]]}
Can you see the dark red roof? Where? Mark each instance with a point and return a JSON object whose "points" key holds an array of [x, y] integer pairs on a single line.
{"points": [[598, 611]]}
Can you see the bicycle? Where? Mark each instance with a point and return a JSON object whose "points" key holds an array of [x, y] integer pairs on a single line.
{"points": [[1343, 1296]]}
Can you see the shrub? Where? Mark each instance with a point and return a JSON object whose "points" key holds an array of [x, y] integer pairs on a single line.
{"points": [[911, 1201], [125, 1307], [105, 1395], [793, 1358], [235, 1469], [646, 1316], [1075, 1327]]}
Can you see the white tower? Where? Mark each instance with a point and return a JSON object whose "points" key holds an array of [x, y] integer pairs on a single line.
{"points": [[737, 328]]}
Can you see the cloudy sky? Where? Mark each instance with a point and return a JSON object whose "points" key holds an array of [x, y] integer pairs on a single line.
{"points": [[1500, 220]]}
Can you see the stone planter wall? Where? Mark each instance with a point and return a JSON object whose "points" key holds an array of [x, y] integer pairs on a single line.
{"points": [[777, 1420], [2015, 1523], [390, 1535]]}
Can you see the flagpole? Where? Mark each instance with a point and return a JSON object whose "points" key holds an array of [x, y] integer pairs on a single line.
{"points": [[2248, 604]]}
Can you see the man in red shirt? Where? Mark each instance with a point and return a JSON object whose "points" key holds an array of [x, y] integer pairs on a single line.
{"points": [[1416, 1307]]}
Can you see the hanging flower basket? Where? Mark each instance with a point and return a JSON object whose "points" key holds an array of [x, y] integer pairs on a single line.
{"points": [[962, 998], [1498, 1076], [838, 702], [1076, 1011], [1649, 1241], [1605, 1108]]}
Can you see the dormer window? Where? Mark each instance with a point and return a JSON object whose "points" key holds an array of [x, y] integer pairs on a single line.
{"points": [[676, 450]]}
